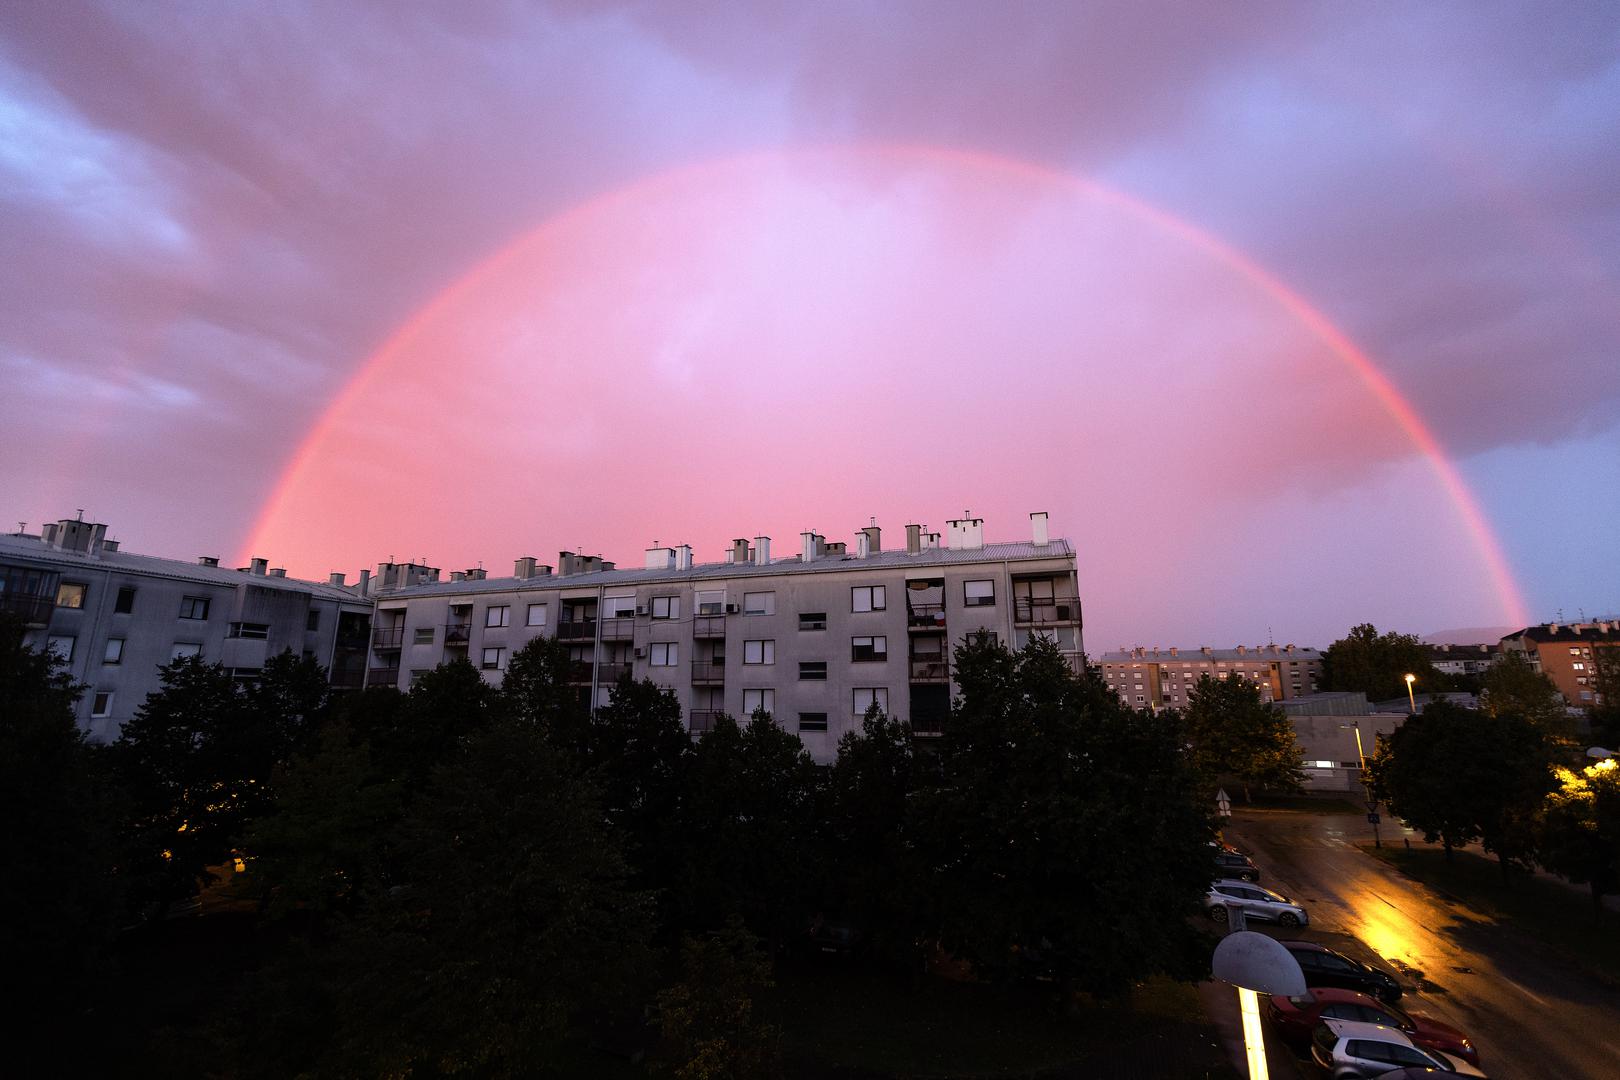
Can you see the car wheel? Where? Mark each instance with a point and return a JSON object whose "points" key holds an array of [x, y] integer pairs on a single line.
{"points": [[1288, 918], [1218, 913]]}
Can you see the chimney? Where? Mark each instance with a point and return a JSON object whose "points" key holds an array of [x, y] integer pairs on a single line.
{"points": [[47, 533], [565, 563], [739, 551], [930, 541], [863, 544], [335, 578], [458, 575], [109, 545], [1241, 650], [523, 569], [808, 549], [964, 534], [1173, 650], [913, 539], [1037, 528], [477, 574], [836, 548], [1288, 648], [1205, 650], [660, 558], [762, 551], [278, 571], [1552, 628], [258, 567], [683, 557], [874, 538], [364, 587]]}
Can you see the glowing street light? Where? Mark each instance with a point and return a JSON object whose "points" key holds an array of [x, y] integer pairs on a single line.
{"points": [[1410, 679], [1256, 964]]}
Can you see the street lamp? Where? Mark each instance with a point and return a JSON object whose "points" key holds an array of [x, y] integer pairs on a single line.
{"points": [[1256, 964], [1410, 679], [1372, 803]]}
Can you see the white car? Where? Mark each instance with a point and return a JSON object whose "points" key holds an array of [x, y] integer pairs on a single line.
{"points": [[1257, 903], [1350, 1049]]}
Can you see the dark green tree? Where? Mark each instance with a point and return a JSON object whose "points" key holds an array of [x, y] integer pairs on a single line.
{"points": [[1065, 835], [536, 688], [1604, 715], [1578, 831], [1236, 735], [432, 723], [711, 1017], [60, 904], [640, 752], [1377, 664], [1513, 686]]}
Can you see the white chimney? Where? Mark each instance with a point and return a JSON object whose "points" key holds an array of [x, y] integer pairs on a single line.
{"points": [[874, 538], [863, 544], [930, 541], [683, 557], [1037, 526], [964, 534], [762, 551], [807, 547], [259, 566], [660, 558]]}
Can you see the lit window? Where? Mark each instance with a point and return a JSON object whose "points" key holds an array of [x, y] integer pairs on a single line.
{"points": [[758, 701], [493, 656], [759, 652], [866, 696], [70, 594], [663, 654], [537, 615], [497, 616], [869, 648], [868, 598], [666, 607], [115, 651], [979, 593], [759, 603]]}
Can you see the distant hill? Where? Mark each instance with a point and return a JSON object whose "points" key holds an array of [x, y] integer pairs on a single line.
{"points": [[1471, 635]]}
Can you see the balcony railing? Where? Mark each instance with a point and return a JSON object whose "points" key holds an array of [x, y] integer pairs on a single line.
{"points": [[925, 617], [929, 722], [1039, 612], [33, 610], [382, 676], [930, 669], [708, 672], [702, 720], [457, 633], [709, 626], [580, 671], [618, 629], [387, 638], [574, 631], [608, 671]]}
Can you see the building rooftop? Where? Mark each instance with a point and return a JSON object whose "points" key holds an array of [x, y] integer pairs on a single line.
{"points": [[1603, 630], [1016, 551]]}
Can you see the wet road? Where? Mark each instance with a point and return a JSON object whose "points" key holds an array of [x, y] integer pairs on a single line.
{"points": [[1531, 1013]]}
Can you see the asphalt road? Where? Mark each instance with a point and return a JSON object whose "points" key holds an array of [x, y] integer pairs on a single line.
{"points": [[1531, 1013]]}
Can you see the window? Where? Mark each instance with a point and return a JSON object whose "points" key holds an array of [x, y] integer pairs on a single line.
{"points": [[758, 700], [115, 651], [422, 636], [866, 697], [663, 654], [812, 721], [493, 655], [711, 602], [70, 594], [759, 603], [102, 705], [183, 649], [537, 615], [312, 621], [759, 652], [813, 670], [60, 646], [1578, 666], [812, 620], [125, 604], [194, 607], [256, 630], [867, 598], [666, 607], [869, 648], [979, 593], [619, 607], [498, 616], [988, 637]]}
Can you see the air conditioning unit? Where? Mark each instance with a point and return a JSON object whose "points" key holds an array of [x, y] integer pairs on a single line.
{"points": [[732, 609], [641, 613], [641, 652]]}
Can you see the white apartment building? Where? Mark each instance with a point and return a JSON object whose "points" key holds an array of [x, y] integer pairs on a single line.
{"points": [[115, 618], [1162, 678], [813, 638]]}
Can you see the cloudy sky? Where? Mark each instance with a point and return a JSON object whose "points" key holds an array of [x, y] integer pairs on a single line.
{"points": [[1292, 316]]}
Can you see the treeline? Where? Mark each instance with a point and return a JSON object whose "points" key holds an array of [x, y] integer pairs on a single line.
{"points": [[470, 879]]}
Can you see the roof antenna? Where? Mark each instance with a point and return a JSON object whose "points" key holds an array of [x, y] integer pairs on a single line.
{"points": [[81, 513]]}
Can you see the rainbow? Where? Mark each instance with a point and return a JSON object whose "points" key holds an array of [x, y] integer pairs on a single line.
{"points": [[1383, 389]]}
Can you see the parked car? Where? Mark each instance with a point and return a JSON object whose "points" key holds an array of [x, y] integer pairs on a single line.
{"points": [[1235, 864], [1350, 1049], [1259, 904], [1296, 1018], [1324, 967]]}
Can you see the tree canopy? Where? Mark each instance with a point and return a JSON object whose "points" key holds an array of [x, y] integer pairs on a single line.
{"points": [[1234, 734], [1377, 664]]}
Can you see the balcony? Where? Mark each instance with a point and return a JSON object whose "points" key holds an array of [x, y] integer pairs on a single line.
{"points": [[1029, 611], [33, 610], [457, 633], [388, 638], [708, 672], [925, 617], [702, 720], [580, 671], [709, 626], [929, 723], [930, 669], [382, 676], [608, 671], [582, 629], [618, 629]]}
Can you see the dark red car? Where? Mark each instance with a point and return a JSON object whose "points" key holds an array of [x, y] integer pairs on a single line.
{"points": [[1296, 1018]]}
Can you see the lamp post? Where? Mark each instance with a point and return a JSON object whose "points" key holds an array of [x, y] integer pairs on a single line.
{"points": [[1410, 699], [1256, 964]]}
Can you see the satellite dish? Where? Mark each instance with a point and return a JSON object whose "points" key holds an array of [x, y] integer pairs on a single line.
{"points": [[1259, 963]]}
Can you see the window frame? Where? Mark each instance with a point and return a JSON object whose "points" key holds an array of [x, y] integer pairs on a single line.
{"points": [[671, 651], [875, 655], [766, 652], [125, 602], [417, 635], [498, 617], [528, 615], [813, 721], [484, 662], [72, 646], [877, 598], [62, 588], [872, 692], [988, 600], [101, 704], [769, 599], [811, 676], [111, 656], [666, 607], [182, 649], [767, 699], [195, 608]]}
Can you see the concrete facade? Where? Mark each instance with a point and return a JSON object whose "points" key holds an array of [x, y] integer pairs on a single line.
{"points": [[1162, 678], [116, 618], [1464, 659], [1565, 653], [813, 638], [1325, 728]]}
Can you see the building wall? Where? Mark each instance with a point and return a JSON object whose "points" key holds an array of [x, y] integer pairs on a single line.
{"points": [[1161, 678], [1328, 748], [1566, 653]]}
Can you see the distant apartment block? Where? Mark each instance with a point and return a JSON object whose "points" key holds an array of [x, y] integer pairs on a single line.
{"points": [[115, 617], [814, 638], [1565, 653], [1464, 659], [1162, 678]]}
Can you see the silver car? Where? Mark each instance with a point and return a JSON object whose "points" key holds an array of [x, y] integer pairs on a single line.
{"points": [[1350, 1049], [1261, 905]]}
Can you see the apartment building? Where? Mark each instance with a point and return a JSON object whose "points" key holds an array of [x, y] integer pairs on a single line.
{"points": [[115, 617], [1162, 678], [813, 638], [1463, 659], [1565, 653]]}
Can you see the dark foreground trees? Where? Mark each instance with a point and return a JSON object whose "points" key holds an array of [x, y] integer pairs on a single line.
{"points": [[1377, 664], [1237, 736]]}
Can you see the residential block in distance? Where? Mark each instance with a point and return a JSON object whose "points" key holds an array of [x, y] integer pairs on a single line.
{"points": [[1162, 678], [813, 638], [1565, 653]]}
